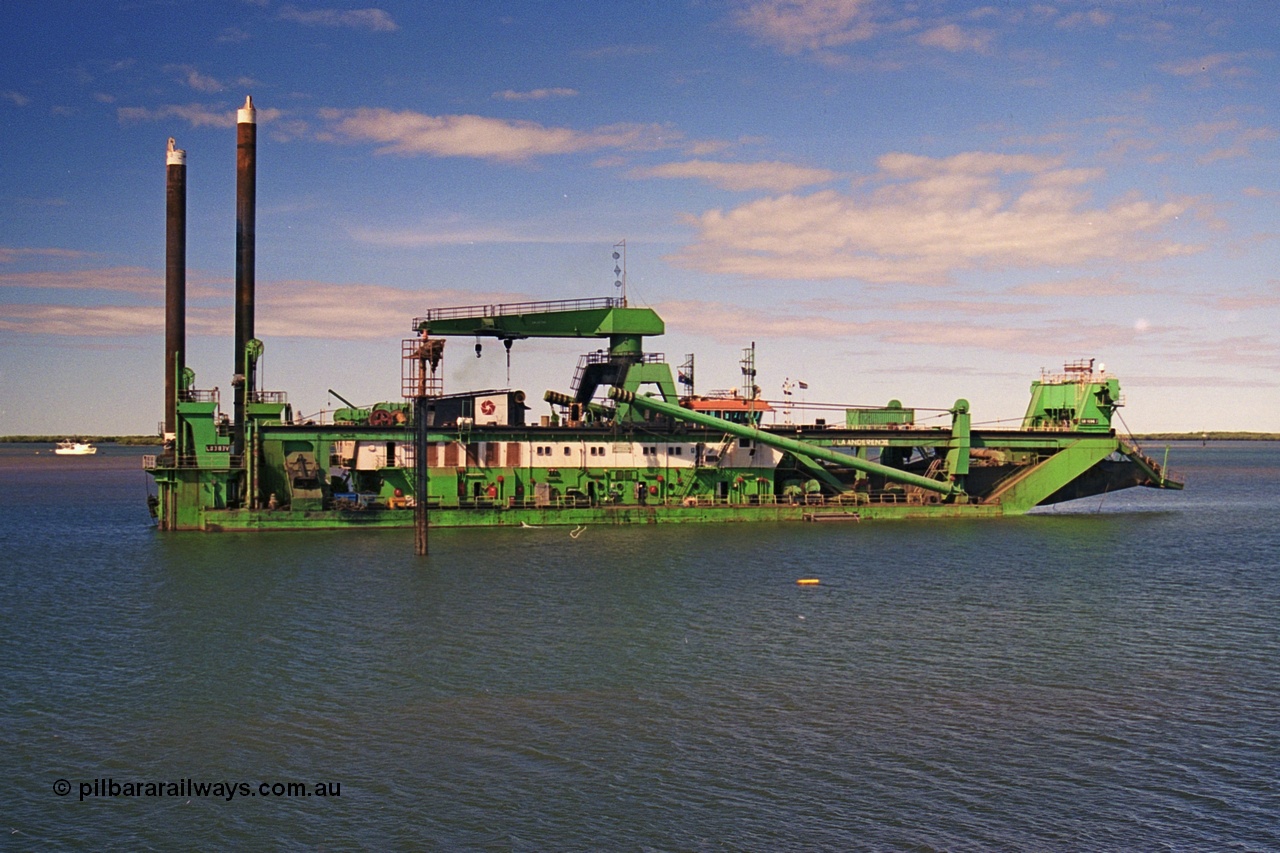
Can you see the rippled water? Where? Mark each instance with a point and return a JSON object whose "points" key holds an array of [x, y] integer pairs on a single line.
{"points": [[1102, 676]]}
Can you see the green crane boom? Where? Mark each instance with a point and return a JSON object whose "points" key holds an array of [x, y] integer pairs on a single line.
{"points": [[625, 365], [566, 318]]}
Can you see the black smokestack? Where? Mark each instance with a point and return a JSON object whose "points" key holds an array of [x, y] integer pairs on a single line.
{"points": [[246, 198], [175, 282]]}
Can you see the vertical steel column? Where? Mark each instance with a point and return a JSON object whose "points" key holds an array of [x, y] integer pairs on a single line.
{"points": [[175, 285], [246, 198], [420, 484]]}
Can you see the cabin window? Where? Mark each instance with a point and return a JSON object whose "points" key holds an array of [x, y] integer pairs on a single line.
{"points": [[566, 451]]}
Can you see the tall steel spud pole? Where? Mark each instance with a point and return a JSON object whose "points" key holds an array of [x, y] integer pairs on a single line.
{"points": [[246, 199], [420, 486], [175, 284]]}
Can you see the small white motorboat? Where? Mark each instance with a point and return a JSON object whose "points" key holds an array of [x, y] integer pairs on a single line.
{"points": [[74, 448]]}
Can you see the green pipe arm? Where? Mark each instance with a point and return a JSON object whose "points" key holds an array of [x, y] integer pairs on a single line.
{"points": [[790, 445]]}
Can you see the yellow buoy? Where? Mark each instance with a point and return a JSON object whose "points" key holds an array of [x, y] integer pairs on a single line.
{"points": [[807, 581]]}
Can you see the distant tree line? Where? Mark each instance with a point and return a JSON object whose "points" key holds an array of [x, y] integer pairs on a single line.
{"points": [[1208, 436], [91, 439]]}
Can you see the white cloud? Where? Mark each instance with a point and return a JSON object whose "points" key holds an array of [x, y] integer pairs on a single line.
{"points": [[114, 279], [375, 20], [134, 280], [724, 322], [987, 308], [197, 115], [311, 309], [457, 231], [773, 176], [1265, 299], [82, 321], [1231, 140], [1211, 65], [10, 254], [1092, 18], [233, 35], [920, 220], [535, 94], [956, 39], [798, 26], [410, 133], [1088, 287], [289, 308], [193, 78]]}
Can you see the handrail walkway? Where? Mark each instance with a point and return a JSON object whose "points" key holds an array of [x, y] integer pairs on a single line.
{"points": [[511, 308]]}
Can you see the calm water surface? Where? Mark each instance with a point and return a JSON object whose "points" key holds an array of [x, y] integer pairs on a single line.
{"points": [[1103, 676]]}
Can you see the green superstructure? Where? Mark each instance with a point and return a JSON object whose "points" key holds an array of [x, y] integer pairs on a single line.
{"points": [[622, 446]]}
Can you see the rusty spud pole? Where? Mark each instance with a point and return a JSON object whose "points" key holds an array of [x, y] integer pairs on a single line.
{"points": [[246, 200], [175, 283]]}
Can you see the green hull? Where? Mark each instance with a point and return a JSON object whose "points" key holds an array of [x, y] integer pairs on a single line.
{"points": [[503, 483], [261, 520]]}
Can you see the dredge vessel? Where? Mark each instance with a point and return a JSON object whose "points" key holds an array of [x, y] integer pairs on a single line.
{"points": [[629, 442]]}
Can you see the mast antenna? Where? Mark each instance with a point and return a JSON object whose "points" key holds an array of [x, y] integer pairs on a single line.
{"points": [[620, 268]]}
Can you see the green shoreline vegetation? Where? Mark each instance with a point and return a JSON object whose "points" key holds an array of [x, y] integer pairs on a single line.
{"points": [[151, 440], [130, 440], [1208, 436]]}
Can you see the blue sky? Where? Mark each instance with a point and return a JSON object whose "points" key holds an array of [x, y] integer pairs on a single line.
{"points": [[912, 200]]}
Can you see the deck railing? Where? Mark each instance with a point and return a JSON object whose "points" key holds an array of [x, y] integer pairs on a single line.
{"points": [[510, 308]]}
